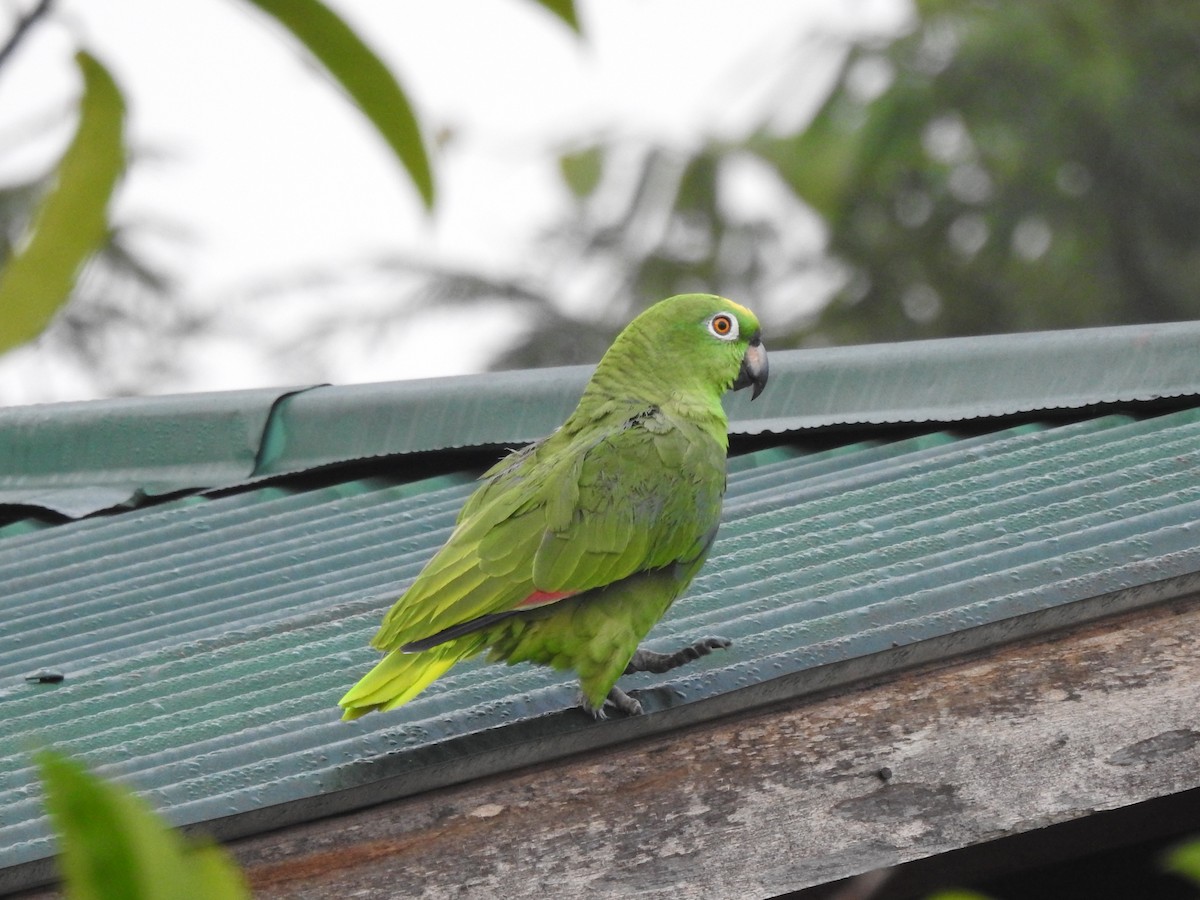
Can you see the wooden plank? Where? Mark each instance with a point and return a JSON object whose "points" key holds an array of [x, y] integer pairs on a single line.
{"points": [[929, 761]]}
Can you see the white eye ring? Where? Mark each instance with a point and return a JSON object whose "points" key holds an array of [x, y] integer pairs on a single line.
{"points": [[723, 326]]}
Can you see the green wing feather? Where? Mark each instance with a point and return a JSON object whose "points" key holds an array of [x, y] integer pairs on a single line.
{"points": [[569, 514], [575, 512]]}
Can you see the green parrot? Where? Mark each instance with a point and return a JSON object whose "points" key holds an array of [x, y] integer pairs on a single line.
{"points": [[573, 547]]}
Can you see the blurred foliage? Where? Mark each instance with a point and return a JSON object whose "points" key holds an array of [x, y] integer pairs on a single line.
{"points": [[69, 225], [565, 10], [51, 227], [113, 847], [642, 229], [1024, 165], [999, 167], [1184, 861], [645, 223]]}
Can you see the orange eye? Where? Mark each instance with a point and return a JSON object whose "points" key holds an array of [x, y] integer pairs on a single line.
{"points": [[724, 326]]}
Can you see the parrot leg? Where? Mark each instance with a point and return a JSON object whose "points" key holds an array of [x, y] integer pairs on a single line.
{"points": [[617, 699], [652, 661]]}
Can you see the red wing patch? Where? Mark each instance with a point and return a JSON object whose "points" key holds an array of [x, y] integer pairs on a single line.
{"points": [[544, 598]]}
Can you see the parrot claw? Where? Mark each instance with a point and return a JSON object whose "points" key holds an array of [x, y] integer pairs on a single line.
{"points": [[652, 661], [617, 699]]}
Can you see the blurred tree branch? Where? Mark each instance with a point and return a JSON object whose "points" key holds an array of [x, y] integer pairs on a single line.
{"points": [[21, 28]]}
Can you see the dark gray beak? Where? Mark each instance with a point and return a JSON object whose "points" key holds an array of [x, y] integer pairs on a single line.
{"points": [[754, 367]]}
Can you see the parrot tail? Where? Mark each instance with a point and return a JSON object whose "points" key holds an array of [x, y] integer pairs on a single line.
{"points": [[399, 677]]}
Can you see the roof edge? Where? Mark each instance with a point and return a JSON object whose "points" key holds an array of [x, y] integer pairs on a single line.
{"points": [[690, 701], [935, 381], [955, 379], [77, 458]]}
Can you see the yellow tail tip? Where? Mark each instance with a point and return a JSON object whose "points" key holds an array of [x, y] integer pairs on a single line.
{"points": [[350, 713], [398, 678]]}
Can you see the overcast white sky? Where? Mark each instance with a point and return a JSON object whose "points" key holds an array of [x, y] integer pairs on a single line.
{"points": [[270, 171]]}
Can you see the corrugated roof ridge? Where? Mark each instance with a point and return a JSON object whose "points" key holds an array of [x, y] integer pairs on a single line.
{"points": [[954, 379], [944, 380], [389, 567], [926, 452], [33, 599], [79, 457], [1000, 517], [969, 472], [1114, 488], [275, 432], [912, 543], [906, 603], [898, 604], [182, 530]]}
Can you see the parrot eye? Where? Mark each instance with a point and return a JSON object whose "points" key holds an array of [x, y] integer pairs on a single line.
{"points": [[723, 326]]}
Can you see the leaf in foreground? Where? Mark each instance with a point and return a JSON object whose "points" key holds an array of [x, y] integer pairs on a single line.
{"points": [[565, 10], [113, 847], [1184, 860]]}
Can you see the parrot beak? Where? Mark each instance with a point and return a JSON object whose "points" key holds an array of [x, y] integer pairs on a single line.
{"points": [[754, 367]]}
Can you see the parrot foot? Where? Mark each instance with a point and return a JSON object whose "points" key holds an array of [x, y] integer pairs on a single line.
{"points": [[617, 699], [652, 661]]}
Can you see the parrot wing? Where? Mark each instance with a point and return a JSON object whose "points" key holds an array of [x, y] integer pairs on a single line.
{"points": [[566, 515]]}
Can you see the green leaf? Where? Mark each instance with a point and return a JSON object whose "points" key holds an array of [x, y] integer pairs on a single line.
{"points": [[363, 76], [565, 10], [114, 848], [1184, 860], [209, 866], [70, 223], [582, 170]]}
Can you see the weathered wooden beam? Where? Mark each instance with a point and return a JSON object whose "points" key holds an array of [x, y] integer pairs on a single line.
{"points": [[926, 762]]}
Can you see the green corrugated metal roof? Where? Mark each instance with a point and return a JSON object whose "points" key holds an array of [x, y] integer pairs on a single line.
{"points": [[924, 381], [204, 641], [79, 458]]}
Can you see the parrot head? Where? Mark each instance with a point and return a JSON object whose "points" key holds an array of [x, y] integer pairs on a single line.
{"points": [[694, 342]]}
